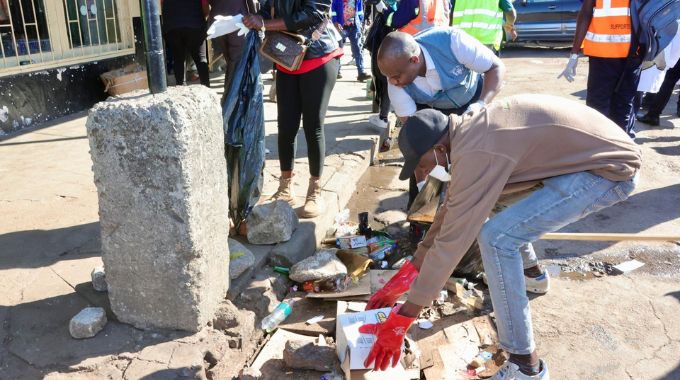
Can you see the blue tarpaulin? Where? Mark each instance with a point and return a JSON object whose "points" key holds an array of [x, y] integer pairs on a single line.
{"points": [[243, 115]]}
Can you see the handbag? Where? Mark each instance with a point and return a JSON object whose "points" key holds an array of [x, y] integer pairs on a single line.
{"points": [[288, 49], [285, 48]]}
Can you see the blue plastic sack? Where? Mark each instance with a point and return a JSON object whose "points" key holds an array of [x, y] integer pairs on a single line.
{"points": [[243, 114]]}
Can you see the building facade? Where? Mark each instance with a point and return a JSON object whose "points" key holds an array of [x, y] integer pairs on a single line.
{"points": [[53, 51]]}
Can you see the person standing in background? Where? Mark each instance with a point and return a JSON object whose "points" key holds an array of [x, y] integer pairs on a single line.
{"points": [[303, 93], [184, 28], [604, 28], [230, 45], [348, 17], [483, 20]]}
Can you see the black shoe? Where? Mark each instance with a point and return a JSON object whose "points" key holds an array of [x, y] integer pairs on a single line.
{"points": [[339, 76], [649, 119], [363, 77]]}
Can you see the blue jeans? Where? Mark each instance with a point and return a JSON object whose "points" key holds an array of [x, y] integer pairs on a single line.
{"points": [[562, 201], [353, 32]]}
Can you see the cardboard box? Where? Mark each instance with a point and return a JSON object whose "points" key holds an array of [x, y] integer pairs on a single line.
{"points": [[351, 242], [129, 78], [353, 347]]}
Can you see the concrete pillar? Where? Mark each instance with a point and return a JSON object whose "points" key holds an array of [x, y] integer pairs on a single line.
{"points": [[161, 176]]}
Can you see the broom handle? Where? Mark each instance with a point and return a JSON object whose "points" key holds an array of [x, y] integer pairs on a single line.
{"points": [[607, 236]]}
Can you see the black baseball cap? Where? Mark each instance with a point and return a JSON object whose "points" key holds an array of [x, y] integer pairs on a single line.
{"points": [[419, 134]]}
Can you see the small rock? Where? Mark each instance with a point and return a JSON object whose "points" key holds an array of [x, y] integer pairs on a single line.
{"points": [[271, 223], [249, 373], [307, 355], [323, 265], [99, 279], [238, 325], [87, 323], [242, 259]]}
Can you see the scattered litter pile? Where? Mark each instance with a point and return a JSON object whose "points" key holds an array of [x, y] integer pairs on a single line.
{"points": [[314, 332]]}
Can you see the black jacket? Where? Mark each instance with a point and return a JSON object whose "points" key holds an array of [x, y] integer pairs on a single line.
{"points": [[304, 17]]}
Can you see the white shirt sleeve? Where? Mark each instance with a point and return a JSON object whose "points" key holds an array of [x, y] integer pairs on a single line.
{"points": [[470, 52], [401, 101]]}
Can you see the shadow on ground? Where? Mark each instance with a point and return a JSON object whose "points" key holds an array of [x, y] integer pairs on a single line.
{"points": [[27, 249], [36, 329]]}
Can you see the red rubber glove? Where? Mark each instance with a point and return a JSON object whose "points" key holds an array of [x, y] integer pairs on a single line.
{"points": [[389, 338], [395, 288]]}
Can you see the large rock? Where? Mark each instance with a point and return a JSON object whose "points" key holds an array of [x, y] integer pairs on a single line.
{"points": [[87, 323], [241, 259], [300, 354], [324, 264], [271, 223], [159, 168]]}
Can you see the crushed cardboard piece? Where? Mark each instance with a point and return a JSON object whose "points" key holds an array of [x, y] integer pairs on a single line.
{"points": [[356, 263], [303, 310], [457, 339], [363, 287]]}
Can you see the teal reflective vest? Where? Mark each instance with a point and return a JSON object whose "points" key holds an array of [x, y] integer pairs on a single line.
{"points": [[482, 19]]}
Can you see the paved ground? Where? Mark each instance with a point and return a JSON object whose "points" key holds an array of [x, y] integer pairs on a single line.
{"points": [[607, 328]]}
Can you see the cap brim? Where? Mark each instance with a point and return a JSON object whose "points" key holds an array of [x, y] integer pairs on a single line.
{"points": [[407, 170]]}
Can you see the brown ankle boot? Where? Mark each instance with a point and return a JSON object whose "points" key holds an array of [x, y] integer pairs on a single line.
{"points": [[285, 191], [314, 205]]}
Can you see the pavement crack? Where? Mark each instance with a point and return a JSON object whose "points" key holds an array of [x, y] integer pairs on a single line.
{"points": [[63, 279]]}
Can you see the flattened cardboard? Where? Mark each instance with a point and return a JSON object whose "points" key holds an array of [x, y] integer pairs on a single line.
{"points": [[363, 287]]}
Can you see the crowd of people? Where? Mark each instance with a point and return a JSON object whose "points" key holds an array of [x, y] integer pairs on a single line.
{"points": [[436, 65]]}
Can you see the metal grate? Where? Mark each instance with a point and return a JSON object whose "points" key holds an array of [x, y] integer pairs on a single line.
{"points": [[43, 32]]}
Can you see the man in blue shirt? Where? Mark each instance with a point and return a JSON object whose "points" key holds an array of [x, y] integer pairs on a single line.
{"points": [[348, 17]]}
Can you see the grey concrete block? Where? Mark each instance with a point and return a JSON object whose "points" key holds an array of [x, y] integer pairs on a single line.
{"points": [[159, 168], [301, 245], [87, 323]]}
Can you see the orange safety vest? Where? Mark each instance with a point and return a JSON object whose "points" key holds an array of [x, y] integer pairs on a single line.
{"points": [[609, 31], [430, 13]]}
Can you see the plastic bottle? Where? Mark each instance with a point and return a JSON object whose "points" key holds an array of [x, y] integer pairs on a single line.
{"points": [[270, 322]]}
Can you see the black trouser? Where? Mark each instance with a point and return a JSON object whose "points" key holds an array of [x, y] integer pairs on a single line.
{"points": [[604, 75], [231, 47], [192, 41], [304, 96], [664, 95]]}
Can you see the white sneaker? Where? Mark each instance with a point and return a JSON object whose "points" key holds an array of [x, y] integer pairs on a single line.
{"points": [[538, 285], [510, 371], [377, 121]]}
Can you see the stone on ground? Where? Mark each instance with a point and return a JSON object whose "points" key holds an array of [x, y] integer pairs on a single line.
{"points": [[237, 324], [87, 323], [300, 354], [240, 259], [271, 223], [159, 168], [249, 373], [99, 279], [323, 265]]}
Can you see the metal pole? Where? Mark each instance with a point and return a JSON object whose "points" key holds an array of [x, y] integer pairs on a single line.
{"points": [[153, 46]]}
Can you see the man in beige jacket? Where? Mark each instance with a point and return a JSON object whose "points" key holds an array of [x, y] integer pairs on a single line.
{"points": [[585, 162]]}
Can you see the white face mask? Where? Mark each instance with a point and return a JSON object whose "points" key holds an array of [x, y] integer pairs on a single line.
{"points": [[439, 172]]}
